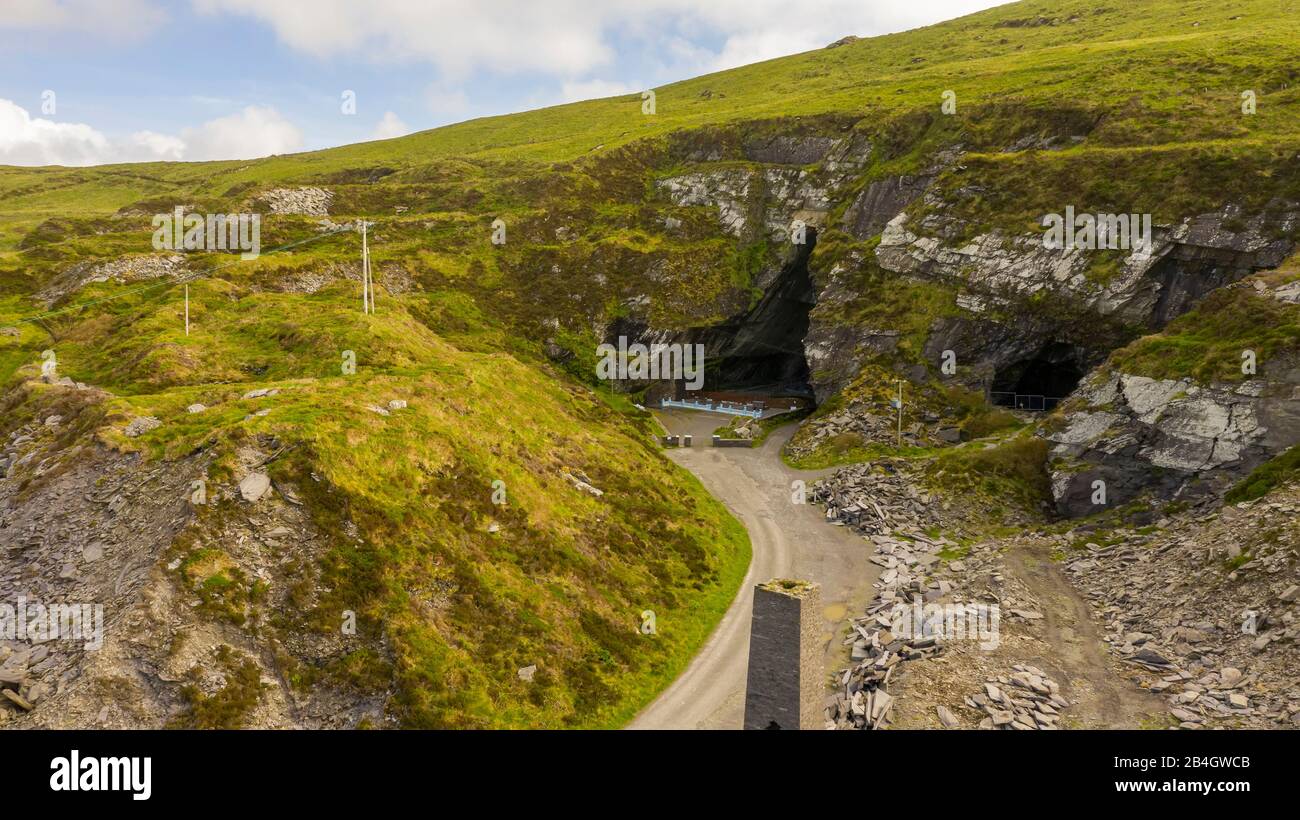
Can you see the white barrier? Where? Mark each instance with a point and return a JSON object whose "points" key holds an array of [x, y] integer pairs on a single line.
{"points": [[728, 408]]}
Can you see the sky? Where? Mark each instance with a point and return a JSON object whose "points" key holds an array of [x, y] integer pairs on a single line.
{"points": [[87, 82]]}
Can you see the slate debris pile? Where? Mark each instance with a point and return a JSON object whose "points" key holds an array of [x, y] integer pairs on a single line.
{"points": [[875, 499], [1026, 699], [871, 423], [887, 509], [884, 503], [864, 702], [306, 201], [18, 691], [1205, 608]]}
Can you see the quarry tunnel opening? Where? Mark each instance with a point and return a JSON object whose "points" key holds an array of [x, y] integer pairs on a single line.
{"points": [[761, 353], [1041, 381]]}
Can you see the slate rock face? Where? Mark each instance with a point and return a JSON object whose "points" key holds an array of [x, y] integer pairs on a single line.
{"points": [[995, 273], [727, 190], [1185, 262], [88, 535], [122, 270], [881, 201], [1136, 432], [1016, 301], [788, 150]]}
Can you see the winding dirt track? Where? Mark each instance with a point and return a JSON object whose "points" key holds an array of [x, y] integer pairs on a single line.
{"points": [[789, 540], [1103, 699]]}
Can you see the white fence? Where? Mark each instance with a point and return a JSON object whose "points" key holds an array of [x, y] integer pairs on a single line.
{"points": [[729, 408]]}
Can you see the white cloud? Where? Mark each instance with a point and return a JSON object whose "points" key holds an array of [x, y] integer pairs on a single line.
{"points": [[560, 50], [458, 36], [574, 38], [390, 126], [25, 140], [755, 46], [253, 132], [118, 19], [144, 146], [257, 131], [446, 102]]}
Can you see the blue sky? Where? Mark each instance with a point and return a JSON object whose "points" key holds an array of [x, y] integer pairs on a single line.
{"points": [[227, 79]]}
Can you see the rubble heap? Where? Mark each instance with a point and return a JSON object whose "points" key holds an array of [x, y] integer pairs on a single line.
{"points": [[875, 499], [1025, 699], [306, 201], [1207, 604], [889, 511]]}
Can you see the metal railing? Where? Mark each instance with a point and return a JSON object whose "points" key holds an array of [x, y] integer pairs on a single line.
{"points": [[751, 410], [1024, 401]]}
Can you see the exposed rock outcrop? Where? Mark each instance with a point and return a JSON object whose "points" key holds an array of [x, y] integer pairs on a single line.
{"points": [[182, 587], [123, 270], [1137, 433], [881, 201], [1185, 262], [304, 201], [754, 203]]}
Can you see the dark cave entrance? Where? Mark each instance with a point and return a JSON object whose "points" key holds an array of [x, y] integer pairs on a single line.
{"points": [[762, 351], [1041, 381]]}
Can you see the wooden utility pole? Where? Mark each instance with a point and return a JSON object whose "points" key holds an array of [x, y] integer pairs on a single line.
{"points": [[370, 279], [899, 403], [365, 271]]}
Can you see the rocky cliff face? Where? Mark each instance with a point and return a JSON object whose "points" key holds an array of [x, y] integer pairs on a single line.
{"points": [[143, 542], [786, 177], [1137, 433], [1186, 261], [1012, 295], [1012, 310], [1003, 282], [1171, 436], [786, 180]]}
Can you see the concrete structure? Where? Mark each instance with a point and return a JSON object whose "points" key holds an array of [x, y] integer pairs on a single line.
{"points": [[719, 441], [753, 410], [785, 687]]}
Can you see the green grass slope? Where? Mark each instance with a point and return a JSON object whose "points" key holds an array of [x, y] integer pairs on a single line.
{"points": [[467, 590], [1154, 72]]}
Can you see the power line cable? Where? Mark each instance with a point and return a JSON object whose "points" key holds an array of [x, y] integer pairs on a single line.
{"points": [[186, 279]]}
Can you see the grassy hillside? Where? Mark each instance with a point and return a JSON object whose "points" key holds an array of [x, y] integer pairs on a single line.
{"points": [[1149, 92], [1152, 72], [466, 590]]}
